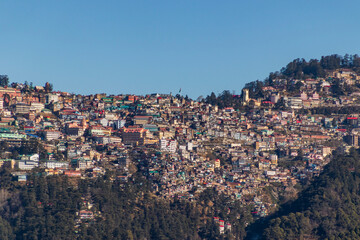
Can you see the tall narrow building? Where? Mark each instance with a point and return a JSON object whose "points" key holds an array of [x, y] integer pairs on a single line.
{"points": [[245, 95]]}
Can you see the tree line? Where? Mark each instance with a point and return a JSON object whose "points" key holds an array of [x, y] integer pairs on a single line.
{"points": [[297, 69]]}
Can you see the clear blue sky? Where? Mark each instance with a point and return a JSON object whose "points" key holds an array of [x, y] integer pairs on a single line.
{"points": [[161, 46]]}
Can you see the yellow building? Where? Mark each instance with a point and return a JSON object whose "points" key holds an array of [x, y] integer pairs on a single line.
{"points": [[217, 163]]}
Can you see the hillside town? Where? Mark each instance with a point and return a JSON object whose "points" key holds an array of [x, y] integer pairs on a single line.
{"points": [[267, 148]]}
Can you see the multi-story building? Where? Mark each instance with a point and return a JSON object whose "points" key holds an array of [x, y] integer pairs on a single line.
{"points": [[21, 108], [37, 107], [168, 145], [56, 164], [51, 135], [133, 135]]}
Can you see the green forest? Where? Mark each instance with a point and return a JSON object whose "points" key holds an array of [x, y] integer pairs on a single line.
{"points": [[328, 209], [47, 207]]}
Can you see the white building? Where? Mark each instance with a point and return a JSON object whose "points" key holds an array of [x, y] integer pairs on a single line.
{"points": [[295, 103], [51, 135], [104, 122], [190, 146], [168, 145], [37, 107], [119, 123], [51, 98], [55, 164], [21, 108], [31, 157], [28, 162]]}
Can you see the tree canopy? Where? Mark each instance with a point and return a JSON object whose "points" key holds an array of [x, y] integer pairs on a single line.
{"points": [[328, 209]]}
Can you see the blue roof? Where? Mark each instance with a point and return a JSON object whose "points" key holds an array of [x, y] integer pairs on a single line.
{"points": [[32, 135]]}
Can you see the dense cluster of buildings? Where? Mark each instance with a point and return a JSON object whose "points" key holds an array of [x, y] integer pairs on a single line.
{"points": [[181, 146], [310, 93]]}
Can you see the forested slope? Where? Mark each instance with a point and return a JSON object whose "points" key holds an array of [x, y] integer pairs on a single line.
{"points": [[328, 209], [48, 208]]}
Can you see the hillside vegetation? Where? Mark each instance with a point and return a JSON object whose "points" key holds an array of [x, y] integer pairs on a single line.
{"points": [[328, 209]]}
